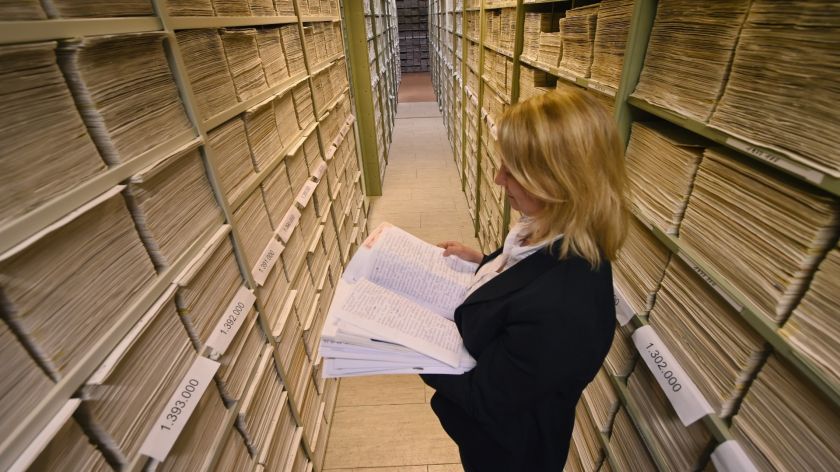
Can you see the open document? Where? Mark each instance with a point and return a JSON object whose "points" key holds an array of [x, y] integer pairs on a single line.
{"points": [[393, 307]]}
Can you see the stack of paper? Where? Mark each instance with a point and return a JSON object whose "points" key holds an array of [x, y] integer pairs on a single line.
{"points": [[129, 116], [234, 455], [311, 411], [232, 7], [689, 53], [640, 267], [254, 227], [295, 252], [237, 365], [261, 405], [22, 10], [578, 30], [379, 323], [301, 462], [533, 82], [205, 291], [281, 449], [190, 8], [262, 7], [610, 40], [243, 59], [61, 314], [284, 7], [585, 440], [207, 68], [21, 376], [812, 328], [763, 234], [291, 350], [271, 55], [173, 205], [680, 447], [661, 163], [785, 68], [708, 338], [293, 48], [98, 8], [550, 48], [47, 149], [627, 450], [601, 400], [194, 447], [783, 424], [303, 104], [274, 297], [622, 354], [263, 137], [231, 157], [125, 396], [284, 115], [508, 30], [296, 167], [277, 194], [70, 448]]}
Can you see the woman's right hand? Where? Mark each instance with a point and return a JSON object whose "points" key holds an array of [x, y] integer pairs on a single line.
{"points": [[454, 248]]}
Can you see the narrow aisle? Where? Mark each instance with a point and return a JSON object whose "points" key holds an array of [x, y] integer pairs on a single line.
{"points": [[384, 423]]}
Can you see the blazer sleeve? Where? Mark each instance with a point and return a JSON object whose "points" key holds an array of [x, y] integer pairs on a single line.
{"points": [[553, 342]]}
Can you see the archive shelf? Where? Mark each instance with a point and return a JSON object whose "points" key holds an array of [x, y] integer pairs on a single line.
{"points": [[198, 22], [46, 30]]}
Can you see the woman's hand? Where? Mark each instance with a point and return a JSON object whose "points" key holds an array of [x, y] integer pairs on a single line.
{"points": [[466, 253]]}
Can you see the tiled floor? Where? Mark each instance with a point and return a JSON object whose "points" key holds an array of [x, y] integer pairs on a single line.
{"points": [[416, 87], [384, 423]]}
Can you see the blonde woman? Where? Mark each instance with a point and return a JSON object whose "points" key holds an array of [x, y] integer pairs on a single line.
{"points": [[540, 316]]}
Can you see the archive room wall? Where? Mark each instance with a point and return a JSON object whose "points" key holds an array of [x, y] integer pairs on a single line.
{"points": [[181, 189], [726, 343]]}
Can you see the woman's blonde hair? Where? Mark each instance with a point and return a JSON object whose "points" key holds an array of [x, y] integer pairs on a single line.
{"points": [[563, 148]]}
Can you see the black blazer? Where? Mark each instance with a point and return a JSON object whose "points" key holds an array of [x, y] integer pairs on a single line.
{"points": [[539, 332]]}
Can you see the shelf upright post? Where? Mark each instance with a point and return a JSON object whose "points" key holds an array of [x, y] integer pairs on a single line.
{"points": [[641, 24]]}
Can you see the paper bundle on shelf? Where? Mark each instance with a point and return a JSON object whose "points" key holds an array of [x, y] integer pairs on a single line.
{"points": [[236, 366], [243, 59], [578, 31], [274, 294], [764, 235], [234, 455], [283, 445], [205, 291], [70, 448], [284, 116], [311, 411], [277, 194], [533, 82], [104, 267], [261, 406], [130, 116], [550, 48], [22, 10], [297, 170], [285, 7], [173, 205], [98, 8], [293, 48], [662, 161], [709, 339], [262, 7], [627, 450], [263, 137], [813, 329], [610, 41], [303, 105], [207, 68], [123, 399], [783, 424], [254, 227], [42, 123], [190, 8], [586, 441], [680, 447], [601, 401], [295, 252], [195, 445], [231, 157], [785, 67], [232, 7], [639, 268], [622, 354], [689, 53], [271, 55]]}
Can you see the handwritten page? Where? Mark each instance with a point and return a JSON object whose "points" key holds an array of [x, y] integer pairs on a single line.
{"points": [[376, 308]]}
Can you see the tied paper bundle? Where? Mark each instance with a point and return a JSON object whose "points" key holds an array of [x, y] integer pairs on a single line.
{"points": [[393, 308]]}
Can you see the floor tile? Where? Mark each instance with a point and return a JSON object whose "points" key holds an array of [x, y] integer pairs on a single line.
{"points": [[446, 468], [381, 390]]}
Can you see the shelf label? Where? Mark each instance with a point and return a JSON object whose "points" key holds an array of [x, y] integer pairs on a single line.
{"points": [[684, 396], [603, 88], [623, 312], [320, 169], [331, 152], [305, 193], [231, 320], [730, 457], [267, 261], [703, 275], [288, 224], [178, 409], [777, 160]]}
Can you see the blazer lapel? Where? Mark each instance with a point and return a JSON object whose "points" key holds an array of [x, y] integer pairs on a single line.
{"points": [[516, 277]]}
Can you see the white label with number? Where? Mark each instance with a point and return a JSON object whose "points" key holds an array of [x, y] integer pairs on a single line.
{"points": [[776, 160], [684, 396], [288, 224], [623, 312], [730, 457], [305, 193], [231, 320], [703, 275], [267, 261], [178, 409], [320, 169]]}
